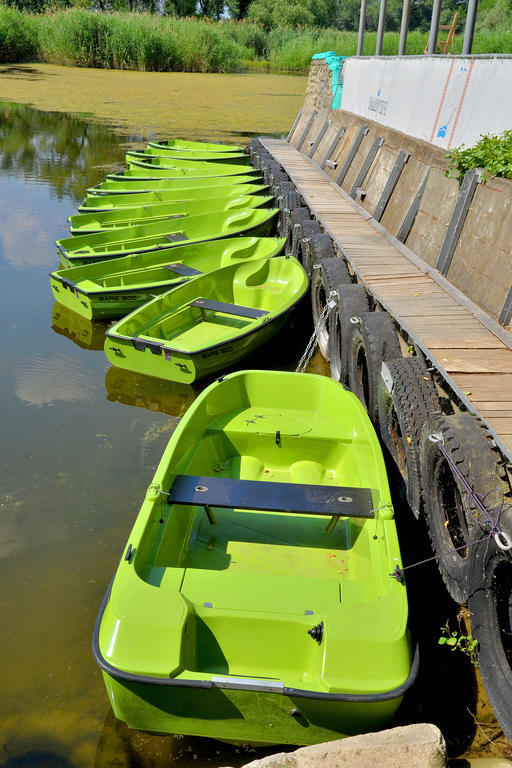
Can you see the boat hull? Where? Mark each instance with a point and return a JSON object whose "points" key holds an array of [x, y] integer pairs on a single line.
{"points": [[244, 717], [80, 289], [175, 365]]}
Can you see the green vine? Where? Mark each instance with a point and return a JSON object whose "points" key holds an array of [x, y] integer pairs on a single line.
{"points": [[491, 152]]}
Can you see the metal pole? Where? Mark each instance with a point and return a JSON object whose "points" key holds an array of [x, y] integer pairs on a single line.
{"points": [[434, 27], [470, 26], [362, 21], [380, 28], [404, 27]]}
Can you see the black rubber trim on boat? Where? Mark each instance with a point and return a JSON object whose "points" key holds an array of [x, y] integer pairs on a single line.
{"points": [[297, 693]]}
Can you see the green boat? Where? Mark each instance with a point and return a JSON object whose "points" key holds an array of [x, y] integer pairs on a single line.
{"points": [[237, 612], [130, 185], [153, 166], [95, 203], [210, 323], [139, 238], [181, 145], [240, 158], [114, 287], [87, 223]]}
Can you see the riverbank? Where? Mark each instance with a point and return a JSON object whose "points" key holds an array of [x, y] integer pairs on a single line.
{"points": [[150, 42], [161, 104]]}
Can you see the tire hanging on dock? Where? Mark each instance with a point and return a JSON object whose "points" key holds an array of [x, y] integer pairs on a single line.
{"points": [[315, 248], [307, 228], [371, 340], [351, 299], [293, 218], [406, 398], [489, 602], [453, 520]]}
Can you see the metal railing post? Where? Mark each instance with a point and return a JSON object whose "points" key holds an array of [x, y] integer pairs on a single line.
{"points": [[362, 22], [434, 27], [469, 30], [404, 27], [380, 28]]}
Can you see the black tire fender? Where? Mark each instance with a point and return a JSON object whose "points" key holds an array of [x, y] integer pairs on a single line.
{"points": [[314, 248], [293, 217], [307, 228], [327, 276], [491, 625], [406, 398], [371, 340], [281, 188], [454, 522], [351, 299]]}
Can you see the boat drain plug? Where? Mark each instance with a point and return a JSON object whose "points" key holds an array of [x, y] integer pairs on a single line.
{"points": [[317, 632]]}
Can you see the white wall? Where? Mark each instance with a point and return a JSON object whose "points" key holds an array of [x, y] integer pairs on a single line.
{"points": [[446, 100]]}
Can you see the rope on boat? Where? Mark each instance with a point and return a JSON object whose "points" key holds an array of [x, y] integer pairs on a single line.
{"points": [[501, 538], [310, 348]]}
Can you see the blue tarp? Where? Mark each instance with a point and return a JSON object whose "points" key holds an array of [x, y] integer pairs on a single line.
{"points": [[335, 63]]}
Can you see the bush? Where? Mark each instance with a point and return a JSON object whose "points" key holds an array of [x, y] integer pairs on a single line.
{"points": [[491, 152], [18, 36]]}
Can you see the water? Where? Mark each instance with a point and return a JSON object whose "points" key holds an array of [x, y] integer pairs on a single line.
{"points": [[80, 444]]}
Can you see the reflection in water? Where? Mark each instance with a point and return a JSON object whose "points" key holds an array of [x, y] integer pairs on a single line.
{"points": [[131, 388], [121, 746], [43, 380], [53, 147], [88, 334]]}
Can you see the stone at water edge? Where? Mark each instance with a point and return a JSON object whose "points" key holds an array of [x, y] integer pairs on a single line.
{"points": [[412, 746]]}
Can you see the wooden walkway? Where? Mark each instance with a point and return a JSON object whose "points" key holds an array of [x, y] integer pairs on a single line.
{"points": [[472, 352]]}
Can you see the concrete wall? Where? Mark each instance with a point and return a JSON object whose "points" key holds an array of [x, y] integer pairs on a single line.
{"points": [[481, 266]]}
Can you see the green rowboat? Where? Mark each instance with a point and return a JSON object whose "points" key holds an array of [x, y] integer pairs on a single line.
{"points": [[181, 145], [86, 223], [238, 612], [115, 287], [155, 166], [95, 203], [210, 323], [139, 238], [129, 185], [168, 158]]}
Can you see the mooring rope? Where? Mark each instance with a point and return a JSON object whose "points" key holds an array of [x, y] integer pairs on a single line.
{"points": [[501, 538]]}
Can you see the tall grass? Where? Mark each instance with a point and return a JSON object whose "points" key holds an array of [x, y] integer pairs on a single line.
{"points": [[18, 36], [154, 43]]}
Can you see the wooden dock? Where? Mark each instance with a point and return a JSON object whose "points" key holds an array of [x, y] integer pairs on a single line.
{"points": [[471, 351]]}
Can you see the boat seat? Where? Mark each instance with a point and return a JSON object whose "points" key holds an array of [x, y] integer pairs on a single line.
{"points": [[329, 500], [229, 309], [182, 269], [176, 237]]}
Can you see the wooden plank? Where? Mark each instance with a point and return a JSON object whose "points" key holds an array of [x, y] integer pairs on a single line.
{"points": [[460, 360]]}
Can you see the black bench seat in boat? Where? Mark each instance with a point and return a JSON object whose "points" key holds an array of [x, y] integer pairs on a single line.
{"points": [[229, 309], [182, 269], [258, 495]]}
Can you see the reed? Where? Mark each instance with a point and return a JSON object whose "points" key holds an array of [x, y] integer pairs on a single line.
{"points": [[18, 36], [149, 42]]}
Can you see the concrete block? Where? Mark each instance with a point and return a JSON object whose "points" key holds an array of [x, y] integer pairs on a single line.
{"points": [[412, 746]]}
